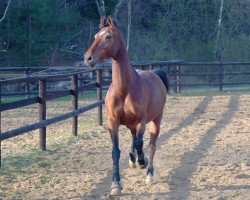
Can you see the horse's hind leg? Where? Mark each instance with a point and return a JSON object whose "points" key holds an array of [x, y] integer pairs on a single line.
{"points": [[140, 129], [154, 132], [132, 150]]}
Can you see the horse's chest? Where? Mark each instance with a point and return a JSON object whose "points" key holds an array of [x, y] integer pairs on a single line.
{"points": [[127, 110], [131, 113]]}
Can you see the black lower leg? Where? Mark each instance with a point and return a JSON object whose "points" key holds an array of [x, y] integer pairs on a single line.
{"points": [[139, 146], [132, 157], [132, 151], [116, 157], [151, 152], [150, 170]]}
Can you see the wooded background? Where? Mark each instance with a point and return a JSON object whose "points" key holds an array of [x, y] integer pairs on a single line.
{"points": [[58, 32]]}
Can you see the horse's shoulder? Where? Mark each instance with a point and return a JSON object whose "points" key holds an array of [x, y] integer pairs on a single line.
{"points": [[110, 96]]}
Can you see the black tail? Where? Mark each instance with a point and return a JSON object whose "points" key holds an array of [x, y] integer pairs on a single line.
{"points": [[163, 75]]}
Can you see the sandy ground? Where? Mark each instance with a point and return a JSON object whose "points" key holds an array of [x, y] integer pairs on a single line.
{"points": [[203, 152]]}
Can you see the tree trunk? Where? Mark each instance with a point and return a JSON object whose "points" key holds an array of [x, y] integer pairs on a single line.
{"points": [[101, 7], [54, 51], [9, 52], [117, 8], [129, 24], [5, 12], [30, 33], [65, 10], [217, 53]]}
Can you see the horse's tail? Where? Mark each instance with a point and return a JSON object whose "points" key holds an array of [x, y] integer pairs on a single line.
{"points": [[163, 76]]}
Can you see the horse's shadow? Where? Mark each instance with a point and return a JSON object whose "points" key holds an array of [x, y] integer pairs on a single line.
{"points": [[102, 189], [199, 110], [185, 170]]}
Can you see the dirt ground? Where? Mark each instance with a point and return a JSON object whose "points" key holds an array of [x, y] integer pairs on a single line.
{"points": [[203, 152]]}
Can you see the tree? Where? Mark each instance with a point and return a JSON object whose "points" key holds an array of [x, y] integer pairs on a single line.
{"points": [[101, 7], [129, 24], [5, 12], [45, 32], [217, 55]]}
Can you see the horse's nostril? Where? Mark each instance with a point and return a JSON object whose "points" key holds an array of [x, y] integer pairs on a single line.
{"points": [[90, 58]]}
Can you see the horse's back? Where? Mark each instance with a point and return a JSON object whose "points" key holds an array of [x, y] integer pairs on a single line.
{"points": [[156, 93], [153, 82]]}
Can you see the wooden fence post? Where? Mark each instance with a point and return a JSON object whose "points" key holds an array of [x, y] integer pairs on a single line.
{"points": [[175, 80], [27, 84], [0, 127], [42, 113], [74, 100], [99, 94], [221, 77], [81, 82], [169, 69], [178, 71]]}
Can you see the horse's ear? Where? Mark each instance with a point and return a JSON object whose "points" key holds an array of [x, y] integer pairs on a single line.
{"points": [[110, 21], [102, 22]]}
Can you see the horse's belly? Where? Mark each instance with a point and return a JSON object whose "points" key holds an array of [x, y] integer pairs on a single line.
{"points": [[129, 119], [132, 115]]}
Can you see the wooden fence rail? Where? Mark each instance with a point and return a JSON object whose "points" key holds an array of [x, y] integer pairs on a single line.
{"points": [[42, 99], [176, 70]]}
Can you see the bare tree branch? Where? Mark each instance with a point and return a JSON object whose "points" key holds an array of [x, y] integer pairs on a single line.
{"points": [[77, 52], [103, 10], [80, 32], [101, 7], [117, 8], [6, 9], [72, 47], [98, 7]]}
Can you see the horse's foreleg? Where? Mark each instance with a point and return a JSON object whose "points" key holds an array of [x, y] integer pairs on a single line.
{"points": [[154, 132], [116, 187], [142, 161], [132, 150]]}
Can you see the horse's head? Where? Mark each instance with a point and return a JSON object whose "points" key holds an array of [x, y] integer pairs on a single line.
{"points": [[106, 43]]}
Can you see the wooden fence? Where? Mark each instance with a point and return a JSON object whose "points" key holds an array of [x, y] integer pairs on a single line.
{"points": [[26, 89], [43, 96], [176, 70], [182, 74], [179, 71]]}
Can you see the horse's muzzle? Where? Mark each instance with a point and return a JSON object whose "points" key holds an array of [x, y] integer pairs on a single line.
{"points": [[89, 60]]}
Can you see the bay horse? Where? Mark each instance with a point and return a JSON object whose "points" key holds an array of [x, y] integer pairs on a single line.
{"points": [[134, 99]]}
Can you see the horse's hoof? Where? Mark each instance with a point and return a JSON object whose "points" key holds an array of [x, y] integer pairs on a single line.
{"points": [[116, 188], [132, 164], [149, 179], [116, 192], [144, 165]]}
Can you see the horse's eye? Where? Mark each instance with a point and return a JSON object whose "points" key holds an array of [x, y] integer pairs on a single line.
{"points": [[108, 36]]}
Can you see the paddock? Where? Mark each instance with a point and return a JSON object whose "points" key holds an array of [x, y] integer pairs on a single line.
{"points": [[202, 153]]}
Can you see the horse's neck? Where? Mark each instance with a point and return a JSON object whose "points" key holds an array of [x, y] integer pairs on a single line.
{"points": [[123, 74]]}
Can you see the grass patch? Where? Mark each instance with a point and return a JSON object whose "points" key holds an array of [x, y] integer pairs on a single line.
{"points": [[82, 96], [22, 168], [35, 169], [212, 91]]}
